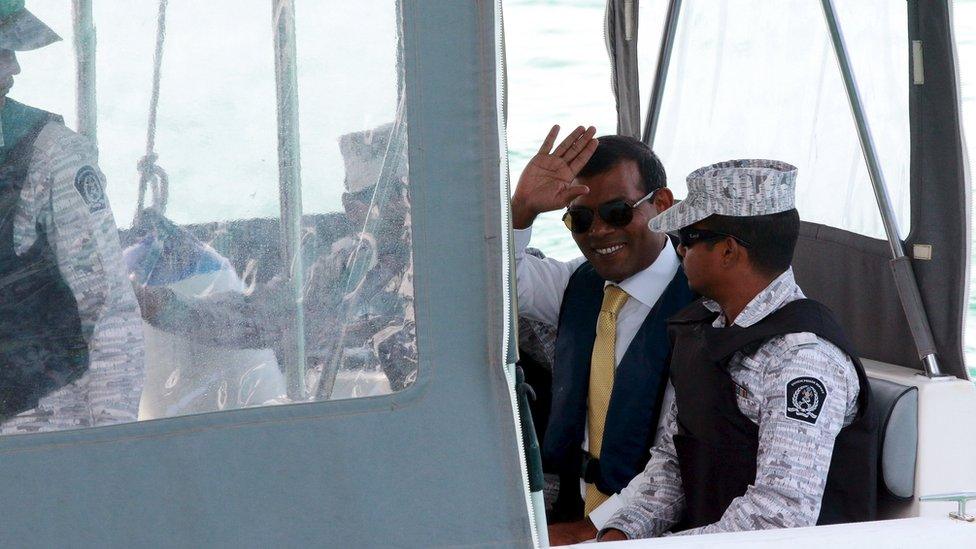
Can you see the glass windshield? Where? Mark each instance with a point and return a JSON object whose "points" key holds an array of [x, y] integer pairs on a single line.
{"points": [[207, 294]]}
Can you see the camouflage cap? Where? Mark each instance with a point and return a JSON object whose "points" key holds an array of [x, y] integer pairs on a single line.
{"points": [[737, 188], [20, 30], [364, 153]]}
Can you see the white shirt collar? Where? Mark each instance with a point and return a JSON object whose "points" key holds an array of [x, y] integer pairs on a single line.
{"points": [[647, 286]]}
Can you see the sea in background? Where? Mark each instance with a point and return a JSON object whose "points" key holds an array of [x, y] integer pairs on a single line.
{"points": [[558, 72]]}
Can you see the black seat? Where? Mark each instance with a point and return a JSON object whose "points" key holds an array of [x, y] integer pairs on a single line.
{"points": [[896, 407]]}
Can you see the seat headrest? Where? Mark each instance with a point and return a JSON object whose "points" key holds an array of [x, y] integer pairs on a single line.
{"points": [[896, 407]]}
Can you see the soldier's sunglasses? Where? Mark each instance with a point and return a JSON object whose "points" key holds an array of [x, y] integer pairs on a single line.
{"points": [[616, 213], [689, 236], [364, 195]]}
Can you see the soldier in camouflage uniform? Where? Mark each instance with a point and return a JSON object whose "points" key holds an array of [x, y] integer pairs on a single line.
{"points": [[768, 426], [71, 352], [358, 297]]}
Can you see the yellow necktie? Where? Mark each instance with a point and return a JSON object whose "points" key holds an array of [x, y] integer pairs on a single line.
{"points": [[602, 366]]}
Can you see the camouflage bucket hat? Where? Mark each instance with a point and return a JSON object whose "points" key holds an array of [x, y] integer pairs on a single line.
{"points": [[364, 153], [20, 30], [738, 188]]}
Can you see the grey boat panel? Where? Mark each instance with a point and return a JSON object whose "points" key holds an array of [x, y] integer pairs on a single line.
{"points": [[939, 181], [436, 464]]}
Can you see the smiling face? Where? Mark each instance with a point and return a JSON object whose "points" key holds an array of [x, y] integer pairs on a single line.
{"points": [[618, 253], [8, 69]]}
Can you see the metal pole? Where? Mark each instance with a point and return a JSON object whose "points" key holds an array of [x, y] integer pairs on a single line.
{"points": [[661, 74], [85, 93], [907, 286], [290, 188]]}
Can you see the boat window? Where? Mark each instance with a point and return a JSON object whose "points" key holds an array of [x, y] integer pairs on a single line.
{"points": [[236, 280], [759, 79]]}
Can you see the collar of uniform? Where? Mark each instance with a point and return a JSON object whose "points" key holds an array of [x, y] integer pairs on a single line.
{"points": [[781, 290], [648, 285]]}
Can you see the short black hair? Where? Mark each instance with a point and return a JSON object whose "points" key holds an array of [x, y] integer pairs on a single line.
{"points": [[614, 149], [771, 238]]}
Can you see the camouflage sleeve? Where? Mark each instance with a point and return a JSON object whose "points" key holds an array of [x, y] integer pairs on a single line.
{"points": [[64, 199], [395, 346], [657, 501], [227, 319], [803, 400]]}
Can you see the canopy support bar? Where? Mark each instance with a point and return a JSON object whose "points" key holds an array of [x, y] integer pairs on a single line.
{"points": [[85, 93], [290, 188], [908, 292], [661, 74]]}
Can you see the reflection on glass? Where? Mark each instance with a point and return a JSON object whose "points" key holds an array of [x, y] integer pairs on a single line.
{"points": [[71, 350], [177, 315], [358, 296]]}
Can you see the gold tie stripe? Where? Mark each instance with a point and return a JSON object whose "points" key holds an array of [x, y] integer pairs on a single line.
{"points": [[602, 365]]}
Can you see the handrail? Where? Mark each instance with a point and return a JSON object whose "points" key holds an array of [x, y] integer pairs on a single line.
{"points": [[960, 498], [904, 275], [290, 188]]}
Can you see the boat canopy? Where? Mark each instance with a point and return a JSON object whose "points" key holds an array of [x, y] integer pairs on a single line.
{"points": [[863, 98]]}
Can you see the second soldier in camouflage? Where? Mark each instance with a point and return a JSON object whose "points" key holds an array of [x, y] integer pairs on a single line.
{"points": [[769, 395]]}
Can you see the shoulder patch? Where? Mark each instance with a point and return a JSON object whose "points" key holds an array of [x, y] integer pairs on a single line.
{"points": [[89, 186], [805, 398]]}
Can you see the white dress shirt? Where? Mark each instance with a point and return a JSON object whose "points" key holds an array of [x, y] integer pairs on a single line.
{"points": [[541, 284]]}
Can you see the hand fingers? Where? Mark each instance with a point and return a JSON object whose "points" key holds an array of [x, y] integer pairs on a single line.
{"points": [[580, 144], [550, 139], [584, 156], [568, 142], [570, 193]]}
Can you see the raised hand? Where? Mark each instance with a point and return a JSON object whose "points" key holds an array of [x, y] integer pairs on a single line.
{"points": [[546, 184]]}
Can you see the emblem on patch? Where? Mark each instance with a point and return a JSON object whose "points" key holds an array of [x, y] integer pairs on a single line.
{"points": [[90, 188], [805, 398]]}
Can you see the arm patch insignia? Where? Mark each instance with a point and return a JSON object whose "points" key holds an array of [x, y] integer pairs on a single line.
{"points": [[805, 398], [89, 186]]}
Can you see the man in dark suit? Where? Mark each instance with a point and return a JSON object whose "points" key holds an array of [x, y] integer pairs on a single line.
{"points": [[610, 308]]}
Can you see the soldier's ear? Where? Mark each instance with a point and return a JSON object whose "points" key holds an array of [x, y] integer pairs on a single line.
{"points": [[733, 253]]}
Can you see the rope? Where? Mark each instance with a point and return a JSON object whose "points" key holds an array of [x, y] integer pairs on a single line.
{"points": [[152, 175]]}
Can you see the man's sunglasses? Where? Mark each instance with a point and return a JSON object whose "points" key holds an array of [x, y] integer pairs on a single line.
{"points": [[616, 213], [689, 236]]}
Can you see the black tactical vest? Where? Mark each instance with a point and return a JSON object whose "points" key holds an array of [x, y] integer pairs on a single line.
{"points": [[717, 446], [41, 344]]}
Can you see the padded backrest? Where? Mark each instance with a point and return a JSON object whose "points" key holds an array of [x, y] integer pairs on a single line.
{"points": [[896, 407]]}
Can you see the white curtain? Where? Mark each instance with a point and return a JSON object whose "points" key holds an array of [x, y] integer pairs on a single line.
{"points": [[759, 79]]}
